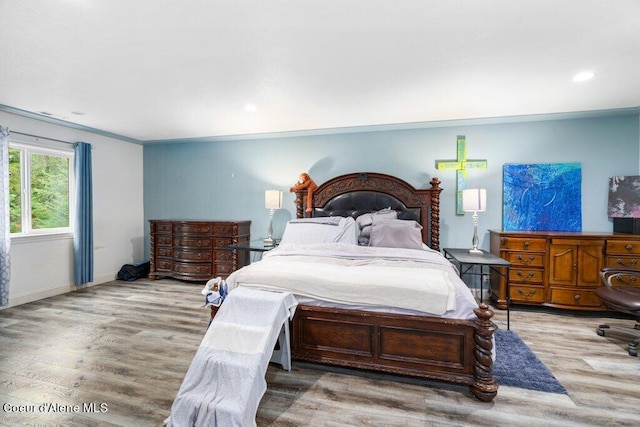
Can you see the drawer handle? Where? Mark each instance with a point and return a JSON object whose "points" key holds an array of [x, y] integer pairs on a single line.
{"points": [[526, 244], [526, 261], [631, 280], [629, 247], [576, 297], [528, 276], [528, 294]]}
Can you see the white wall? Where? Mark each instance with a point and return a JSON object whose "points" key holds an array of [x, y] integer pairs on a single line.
{"points": [[43, 267]]}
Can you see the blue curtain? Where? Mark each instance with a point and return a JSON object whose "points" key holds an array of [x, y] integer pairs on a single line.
{"points": [[83, 235], [5, 241]]}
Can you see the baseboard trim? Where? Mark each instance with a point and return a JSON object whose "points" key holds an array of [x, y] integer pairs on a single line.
{"points": [[55, 291]]}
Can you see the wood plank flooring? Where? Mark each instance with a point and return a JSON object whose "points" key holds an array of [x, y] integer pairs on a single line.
{"points": [[115, 355]]}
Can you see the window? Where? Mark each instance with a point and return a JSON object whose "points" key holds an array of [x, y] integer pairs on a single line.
{"points": [[40, 190]]}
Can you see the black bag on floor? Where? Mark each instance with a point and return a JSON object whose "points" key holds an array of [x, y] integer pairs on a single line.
{"points": [[131, 272]]}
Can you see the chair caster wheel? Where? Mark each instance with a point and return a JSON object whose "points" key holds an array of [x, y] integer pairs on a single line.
{"points": [[633, 348], [601, 328]]}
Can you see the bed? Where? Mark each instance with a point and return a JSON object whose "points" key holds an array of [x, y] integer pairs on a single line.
{"points": [[454, 349]]}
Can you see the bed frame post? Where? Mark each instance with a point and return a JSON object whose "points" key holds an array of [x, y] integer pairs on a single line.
{"points": [[301, 196], [435, 214], [485, 387]]}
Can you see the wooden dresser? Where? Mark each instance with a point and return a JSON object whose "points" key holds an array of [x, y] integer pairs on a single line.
{"points": [[196, 250], [559, 269]]}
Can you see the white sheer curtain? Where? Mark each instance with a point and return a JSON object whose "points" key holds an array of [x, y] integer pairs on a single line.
{"points": [[5, 242]]}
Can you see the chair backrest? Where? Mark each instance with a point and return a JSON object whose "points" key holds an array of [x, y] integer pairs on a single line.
{"points": [[614, 277], [621, 290]]}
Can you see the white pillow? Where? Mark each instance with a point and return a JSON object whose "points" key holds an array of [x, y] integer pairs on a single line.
{"points": [[321, 230]]}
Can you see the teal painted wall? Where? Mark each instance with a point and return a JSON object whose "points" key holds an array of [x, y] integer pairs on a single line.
{"points": [[227, 179]]}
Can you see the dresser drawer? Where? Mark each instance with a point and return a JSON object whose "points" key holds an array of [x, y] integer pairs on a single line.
{"points": [[162, 239], [164, 265], [224, 229], [579, 242], [222, 255], [192, 242], [530, 294], [186, 255], [625, 280], [193, 269], [524, 244], [163, 227], [164, 251], [196, 227], [623, 261], [224, 268], [221, 243], [576, 298], [525, 259], [524, 275], [623, 247]]}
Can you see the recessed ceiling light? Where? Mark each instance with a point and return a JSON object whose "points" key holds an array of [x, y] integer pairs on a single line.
{"points": [[583, 76], [250, 108]]}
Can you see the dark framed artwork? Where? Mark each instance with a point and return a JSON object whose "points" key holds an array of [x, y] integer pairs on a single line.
{"points": [[542, 197], [624, 197]]}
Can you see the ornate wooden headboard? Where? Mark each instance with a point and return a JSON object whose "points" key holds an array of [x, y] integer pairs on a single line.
{"points": [[357, 193]]}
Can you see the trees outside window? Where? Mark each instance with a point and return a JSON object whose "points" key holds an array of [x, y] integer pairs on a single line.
{"points": [[40, 190]]}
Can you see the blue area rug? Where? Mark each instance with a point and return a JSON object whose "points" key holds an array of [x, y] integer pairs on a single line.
{"points": [[517, 366]]}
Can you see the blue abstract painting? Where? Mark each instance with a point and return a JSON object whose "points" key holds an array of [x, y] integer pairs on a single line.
{"points": [[542, 197]]}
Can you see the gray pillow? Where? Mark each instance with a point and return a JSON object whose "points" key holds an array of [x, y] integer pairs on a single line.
{"points": [[368, 218], [396, 234]]}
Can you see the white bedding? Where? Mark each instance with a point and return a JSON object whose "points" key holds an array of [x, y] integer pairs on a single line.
{"points": [[372, 278]]}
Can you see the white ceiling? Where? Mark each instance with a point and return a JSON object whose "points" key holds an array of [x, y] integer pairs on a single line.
{"points": [[173, 69]]}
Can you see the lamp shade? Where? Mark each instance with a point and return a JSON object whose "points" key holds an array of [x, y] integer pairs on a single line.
{"points": [[474, 200], [273, 199]]}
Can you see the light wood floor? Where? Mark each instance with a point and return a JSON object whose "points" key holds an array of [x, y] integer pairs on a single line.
{"points": [[125, 348]]}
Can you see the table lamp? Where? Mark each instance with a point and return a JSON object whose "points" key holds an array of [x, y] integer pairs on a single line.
{"points": [[272, 201], [474, 200]]}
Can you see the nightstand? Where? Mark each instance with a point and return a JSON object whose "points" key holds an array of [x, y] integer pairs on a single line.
{"points": [[486, 261], [256, 246]]}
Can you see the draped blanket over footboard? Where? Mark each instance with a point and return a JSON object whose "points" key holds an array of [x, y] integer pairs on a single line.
{"points": [[226, 379], [419, 280]]}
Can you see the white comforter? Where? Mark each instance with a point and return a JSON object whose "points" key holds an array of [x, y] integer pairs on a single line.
{"points": [[414, 280]]}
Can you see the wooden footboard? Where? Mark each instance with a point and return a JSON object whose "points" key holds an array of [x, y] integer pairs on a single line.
{"points": [[454, 351]]}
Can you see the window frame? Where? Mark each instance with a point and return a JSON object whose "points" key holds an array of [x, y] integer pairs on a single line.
{"points": [[28, 148]]}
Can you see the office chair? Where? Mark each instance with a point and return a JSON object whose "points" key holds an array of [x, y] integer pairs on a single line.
{"points": [[621, 292]]}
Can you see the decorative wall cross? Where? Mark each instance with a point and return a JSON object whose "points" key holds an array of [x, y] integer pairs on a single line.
{"points": [[461, 165]]}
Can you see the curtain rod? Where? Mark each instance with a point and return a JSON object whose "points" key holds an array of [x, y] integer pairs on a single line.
{"points": [[41, 137]]}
